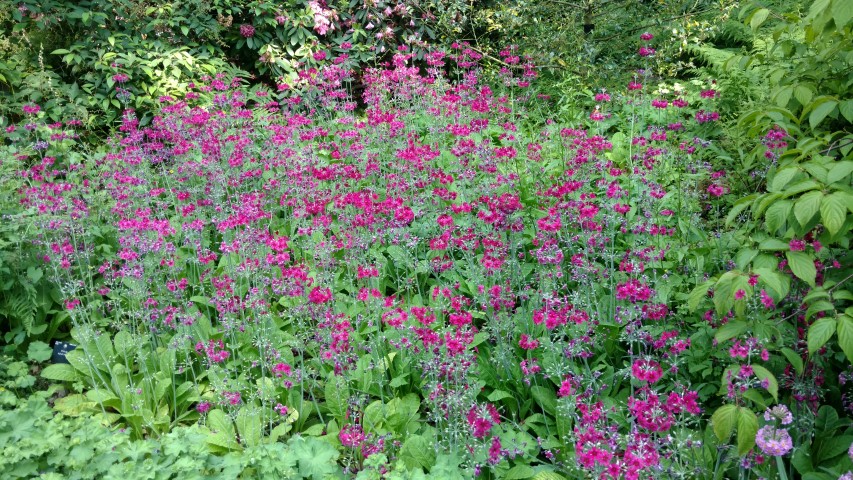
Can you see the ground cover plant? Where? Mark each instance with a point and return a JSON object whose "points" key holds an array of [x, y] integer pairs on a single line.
{"points": [[438, 278]]}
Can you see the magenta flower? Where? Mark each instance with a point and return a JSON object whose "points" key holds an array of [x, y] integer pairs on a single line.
{"points": [[247, 31]]}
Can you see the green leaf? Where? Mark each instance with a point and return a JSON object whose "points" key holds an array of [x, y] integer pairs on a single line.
{"points": [[519, 472], [807, 206], [757, 18], [61, 372], [337, 396], [498, 395], [417, 452], [546, 398], [833, 212], [773, 244], [846, 109], [794, 359], [803, 267], [845, 335], [698, 294], [782, 177], [185, 30], [249, 427], [777, 214], [724, 420], [730, 330], [819, 333], [747, 427], [842, 12], [821, 111], [840, 171], [772, 384], [39, 351]]}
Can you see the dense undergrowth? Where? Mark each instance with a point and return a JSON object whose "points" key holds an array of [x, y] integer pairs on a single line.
{"points": [[428, 268]]}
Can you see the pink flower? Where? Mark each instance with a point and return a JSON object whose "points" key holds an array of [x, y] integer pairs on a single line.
{"points": [[247, 31], [646, 36]]}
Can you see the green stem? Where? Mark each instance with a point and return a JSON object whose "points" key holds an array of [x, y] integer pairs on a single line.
{"points": [[780, 465]]}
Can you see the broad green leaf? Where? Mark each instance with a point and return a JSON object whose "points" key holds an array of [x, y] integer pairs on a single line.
{"points": [[821, 111], [498, 395], [519, 472], [698, 294], [62, 372], [845, 335], [417, 452], [839, 171], [846, 107], [819, 306], [794, 359], [833, 212], [842, 12], [723, 421], [39, 351], [730, 330], [803, 267], [773, 244], [777, 214], [747, 427], [758, 18], [819, 333], [337, 396], [782, 177], [774, 280], [249, 427], [772, 384], [807, 206]]}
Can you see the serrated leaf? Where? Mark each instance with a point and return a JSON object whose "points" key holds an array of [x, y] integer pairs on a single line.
{"points": [[821, 111], [747, 427], [839, 171], [698, 294], [730, 330], [845, 335], [498, 395], [519, 472], [548, 476], [819, 333], [417, 452], [249, 427], [61, 372], [723, 421], [777, 215], [807, 206], [782, 177], [803, 267], [833, 212]]}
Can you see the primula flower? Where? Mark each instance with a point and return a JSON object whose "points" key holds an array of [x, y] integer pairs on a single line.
{"points": [[773, 441], [782, 414]]}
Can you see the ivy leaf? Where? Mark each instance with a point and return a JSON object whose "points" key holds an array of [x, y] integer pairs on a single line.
{"points": [[833, 212], [723, 421], [819, 333], [803, 266], [845, 335], [747, 427]]}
